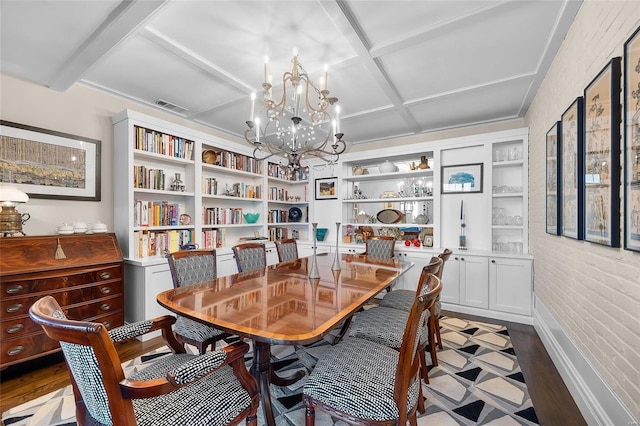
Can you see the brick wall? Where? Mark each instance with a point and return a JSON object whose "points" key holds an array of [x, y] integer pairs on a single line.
{"points": [[592, 291]]}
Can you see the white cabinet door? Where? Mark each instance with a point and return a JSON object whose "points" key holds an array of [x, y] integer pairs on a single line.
{"points": [[450, 292], [272, 255], [409, 280], [226, 264], [510, 285], [474, 281]]}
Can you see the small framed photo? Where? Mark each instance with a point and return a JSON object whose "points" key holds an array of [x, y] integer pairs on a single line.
{"points": [[462, 178], [428, 241], [327, 188]]}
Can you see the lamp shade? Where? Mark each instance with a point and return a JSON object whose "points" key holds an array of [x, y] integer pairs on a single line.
{"points": [[12, 193]]}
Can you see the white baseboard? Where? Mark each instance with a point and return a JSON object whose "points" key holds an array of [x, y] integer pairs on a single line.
{"points": [[598, 404], [487, 313]]}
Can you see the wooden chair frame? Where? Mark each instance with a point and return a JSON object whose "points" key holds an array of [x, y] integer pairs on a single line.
{"points": [[120, 391], [407, 371], [280, 243]]}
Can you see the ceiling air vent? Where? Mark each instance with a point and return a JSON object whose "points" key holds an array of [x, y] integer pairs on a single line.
{"points": [[171, 107]]}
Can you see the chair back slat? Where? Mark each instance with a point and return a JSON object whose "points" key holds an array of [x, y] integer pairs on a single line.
{"points": [[250, 256], [287, 249], [381, 246], [89, 352], [408, 361], [192, 266]]}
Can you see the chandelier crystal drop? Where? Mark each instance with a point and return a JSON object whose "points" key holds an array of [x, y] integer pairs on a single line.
{"points": [[299, 125]]}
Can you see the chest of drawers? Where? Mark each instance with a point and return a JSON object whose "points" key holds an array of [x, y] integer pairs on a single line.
{"points": [[87, 283]]}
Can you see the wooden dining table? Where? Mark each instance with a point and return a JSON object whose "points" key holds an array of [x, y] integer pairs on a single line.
{"points": [[280, 304]]}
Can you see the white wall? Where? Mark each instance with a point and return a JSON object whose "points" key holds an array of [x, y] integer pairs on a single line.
{"points": [[592, 291], [78, 111]]}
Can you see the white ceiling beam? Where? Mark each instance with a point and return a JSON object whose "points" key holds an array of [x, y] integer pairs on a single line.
{"points": [[344, 20], [128, 16], [197, 60]]}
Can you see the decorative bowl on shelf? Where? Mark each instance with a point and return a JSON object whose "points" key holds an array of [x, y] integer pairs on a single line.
{"points": [[295, 214], [387, 167], [321, 233], [251, 217]]}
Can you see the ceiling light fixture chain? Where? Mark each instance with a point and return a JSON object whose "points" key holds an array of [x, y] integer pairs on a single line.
{"points": [[293, 128]]}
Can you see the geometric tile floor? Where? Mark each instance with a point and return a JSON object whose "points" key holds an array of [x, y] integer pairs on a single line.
{"points": [[478, 382]]}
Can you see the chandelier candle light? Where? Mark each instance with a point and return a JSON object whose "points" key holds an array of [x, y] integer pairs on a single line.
{"points": [[293, 128]]}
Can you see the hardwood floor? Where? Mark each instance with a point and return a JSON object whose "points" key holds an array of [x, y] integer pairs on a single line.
{"points": [[551, 399]]}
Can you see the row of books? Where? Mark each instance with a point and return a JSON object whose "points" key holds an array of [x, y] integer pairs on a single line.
{"points": [[162, 143], [155, 213], [231, 160], [278, 194], [278, 216], [158, 243], [278, 234], [222, 216], [148, 178], [213, 238], [283, 172]]}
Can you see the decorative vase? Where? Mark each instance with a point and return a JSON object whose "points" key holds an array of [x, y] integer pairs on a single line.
{"points": [[387, 167], [336, 260], [177, 184], [314, 272], [424, 163]]}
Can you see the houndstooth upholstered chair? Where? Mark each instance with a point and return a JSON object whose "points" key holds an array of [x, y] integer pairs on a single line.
{"points": [[191, 267], [381, 388], [380, 246], [178, 389], [402, 299], [386, 325], [250, 256], [287, 249]]}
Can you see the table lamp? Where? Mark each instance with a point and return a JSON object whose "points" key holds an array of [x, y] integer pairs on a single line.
{"points": [[10, 220]]}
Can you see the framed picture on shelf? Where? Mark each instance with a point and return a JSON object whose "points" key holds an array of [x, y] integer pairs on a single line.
{"points": [[572, 166], [327, 188], [632, 142], [49, 164], [462, 178], [602, 158], [554, 179]]}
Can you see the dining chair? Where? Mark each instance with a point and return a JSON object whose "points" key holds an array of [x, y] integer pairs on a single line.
{"points": [[250, 256], [191, 267], [179, 388], [364, 382], [385, 325], [401, 299], [287, 249], [380, 246]]}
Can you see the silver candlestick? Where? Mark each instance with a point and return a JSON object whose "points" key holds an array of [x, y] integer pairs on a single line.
{"points": [[314, 272], [336, 260]]}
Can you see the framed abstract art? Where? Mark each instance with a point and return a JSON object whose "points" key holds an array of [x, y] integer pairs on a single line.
{"points": [[632, 142], [572, 156], [602, 157]]}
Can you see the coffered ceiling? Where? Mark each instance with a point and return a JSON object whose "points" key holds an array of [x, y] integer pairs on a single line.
{"points": [[398, 67]]}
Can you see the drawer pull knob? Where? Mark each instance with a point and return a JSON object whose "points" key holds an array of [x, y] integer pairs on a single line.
{"points": [[105, 290], [105, 275], [15, 328], [107, 324], [105, 306], [15, 289], [16, 307], [15, 350]]}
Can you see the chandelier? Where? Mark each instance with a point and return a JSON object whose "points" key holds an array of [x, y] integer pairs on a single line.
{"points": [[298, 125]]}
